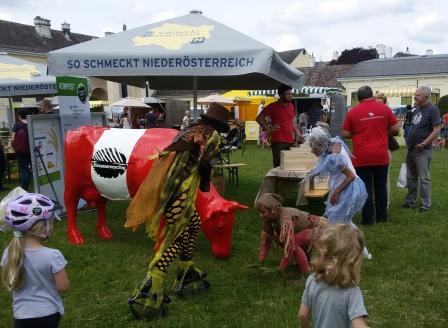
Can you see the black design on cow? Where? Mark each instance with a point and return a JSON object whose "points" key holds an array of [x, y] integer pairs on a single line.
{"points": [[109, 163]]}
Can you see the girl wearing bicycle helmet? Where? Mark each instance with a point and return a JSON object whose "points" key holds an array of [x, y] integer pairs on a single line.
{"points": [[35, 274]]}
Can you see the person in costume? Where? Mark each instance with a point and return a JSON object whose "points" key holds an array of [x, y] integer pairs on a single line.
{"points": [[166, 203], [347, 192], [290, 228]]}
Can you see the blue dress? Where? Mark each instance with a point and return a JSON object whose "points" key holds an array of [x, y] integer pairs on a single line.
{"points": [[352, 198]]}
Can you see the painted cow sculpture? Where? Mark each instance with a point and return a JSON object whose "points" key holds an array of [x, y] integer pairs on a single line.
{"points": [[103, 163]]}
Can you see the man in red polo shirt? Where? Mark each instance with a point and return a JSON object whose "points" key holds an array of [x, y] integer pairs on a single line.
{"points": [[283, 126], [369, 124]]}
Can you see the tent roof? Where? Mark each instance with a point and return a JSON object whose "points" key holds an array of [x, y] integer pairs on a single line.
{"points": [[19, 77], [169, 53]]}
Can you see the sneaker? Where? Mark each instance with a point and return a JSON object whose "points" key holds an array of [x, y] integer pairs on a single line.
{"points": [[423, 209], [407, 205]]}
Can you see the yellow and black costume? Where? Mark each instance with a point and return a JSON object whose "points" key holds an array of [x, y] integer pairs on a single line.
{"points": [[166, 202]]}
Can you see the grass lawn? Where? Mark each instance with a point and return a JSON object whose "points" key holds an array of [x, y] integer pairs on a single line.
{"points": [[405, 285]]}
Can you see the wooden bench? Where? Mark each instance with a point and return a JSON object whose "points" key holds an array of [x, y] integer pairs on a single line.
{"points": [[232, 169], [316, 193]]}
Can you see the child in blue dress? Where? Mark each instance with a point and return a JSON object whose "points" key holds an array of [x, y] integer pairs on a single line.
{"points": [[35, 274]]}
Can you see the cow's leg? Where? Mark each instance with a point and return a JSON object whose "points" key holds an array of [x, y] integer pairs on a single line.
{"points": [[102, 229], [71, 205]]}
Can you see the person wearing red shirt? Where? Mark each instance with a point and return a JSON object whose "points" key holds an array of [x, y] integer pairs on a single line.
{"points": [[283, 126], [369, 124]]}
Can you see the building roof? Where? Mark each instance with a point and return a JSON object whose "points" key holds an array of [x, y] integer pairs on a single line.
{"points": [[290, 55], [399, 66], [403, 54], [24, 38], [324, 76]]}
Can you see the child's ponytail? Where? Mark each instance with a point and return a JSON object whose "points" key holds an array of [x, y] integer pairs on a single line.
{"points": [[12, 271]]}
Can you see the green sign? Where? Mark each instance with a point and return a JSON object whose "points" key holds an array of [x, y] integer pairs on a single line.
{"points": [[73, 102]]}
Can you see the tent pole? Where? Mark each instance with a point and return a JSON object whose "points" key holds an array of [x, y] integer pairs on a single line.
{"points": [[195, 98], [10, 115]]}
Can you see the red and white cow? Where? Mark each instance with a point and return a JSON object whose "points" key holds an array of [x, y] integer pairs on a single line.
{"points": [[103, 163]]}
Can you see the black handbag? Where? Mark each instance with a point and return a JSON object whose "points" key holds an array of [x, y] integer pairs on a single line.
{"points": [[393, 144]]}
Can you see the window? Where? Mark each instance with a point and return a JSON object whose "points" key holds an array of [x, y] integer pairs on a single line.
{"points": [[354, 100], [435, 98], [406, 100], [16, 99]]}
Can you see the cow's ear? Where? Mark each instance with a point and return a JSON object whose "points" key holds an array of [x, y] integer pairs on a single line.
{"points": [[234, 206]]}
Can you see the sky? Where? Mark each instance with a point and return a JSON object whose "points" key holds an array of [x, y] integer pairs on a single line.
{"points": [[319, 26]]}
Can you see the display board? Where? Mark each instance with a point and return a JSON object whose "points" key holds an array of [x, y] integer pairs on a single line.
{"points": [[45, 137], [252, 130]]}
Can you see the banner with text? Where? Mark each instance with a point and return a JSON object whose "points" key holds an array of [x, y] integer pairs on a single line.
{"points": [[73, 102]]}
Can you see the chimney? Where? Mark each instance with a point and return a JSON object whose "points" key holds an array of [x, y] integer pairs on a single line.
{"points": [[107, 33], [407, 51], [42, 26], [195, 11], [335, 55], [66, 30], [429, 52], [124, 27]]}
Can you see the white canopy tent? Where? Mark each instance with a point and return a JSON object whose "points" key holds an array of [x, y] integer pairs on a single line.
{"points": [[190, 52], [19, 78]]}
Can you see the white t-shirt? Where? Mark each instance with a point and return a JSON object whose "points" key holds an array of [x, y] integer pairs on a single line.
{"points": [[38, 296]]}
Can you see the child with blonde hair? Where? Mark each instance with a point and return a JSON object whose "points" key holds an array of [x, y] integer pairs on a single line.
{"points": [[331, 294], [290, 228], [34, 273]]}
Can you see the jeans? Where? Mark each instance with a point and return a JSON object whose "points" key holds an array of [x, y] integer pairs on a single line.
{"points": [[418, 173], [276, 151], [24, 161], [377, 175], [406, 129]]}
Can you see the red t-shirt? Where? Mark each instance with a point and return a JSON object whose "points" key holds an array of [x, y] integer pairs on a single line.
{"points": [[445, 118], [369, 123], [281, 114]]}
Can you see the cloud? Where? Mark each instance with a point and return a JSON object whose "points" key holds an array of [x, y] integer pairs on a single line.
{"points": [[5, 16], [325, 26], [320, 26], [424, 29], [164, 15]]}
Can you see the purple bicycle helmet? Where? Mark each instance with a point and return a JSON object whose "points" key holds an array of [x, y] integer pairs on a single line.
{"points": [[25, 210]]}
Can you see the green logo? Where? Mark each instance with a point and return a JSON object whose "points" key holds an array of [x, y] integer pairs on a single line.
{"points": [[82, 93]]}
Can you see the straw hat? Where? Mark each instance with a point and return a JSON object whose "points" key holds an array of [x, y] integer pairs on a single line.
{"points": [[217, 117]]}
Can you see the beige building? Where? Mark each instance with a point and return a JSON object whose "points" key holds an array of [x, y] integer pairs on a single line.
{"points": [[33, 42], [398, 78], [297, 58]]}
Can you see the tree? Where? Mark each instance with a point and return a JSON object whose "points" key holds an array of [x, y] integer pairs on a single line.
{"points": [[443, 104], [354, 56]]}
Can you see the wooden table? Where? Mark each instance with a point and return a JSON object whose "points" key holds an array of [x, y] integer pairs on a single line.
{"points": [[316, 193]]}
